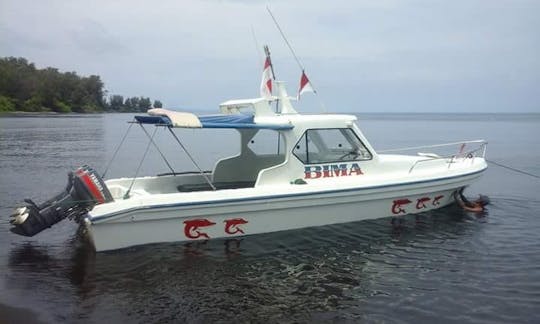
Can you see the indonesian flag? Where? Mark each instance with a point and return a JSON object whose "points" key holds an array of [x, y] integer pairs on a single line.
{"points": [[266, 82], [305, 85]]}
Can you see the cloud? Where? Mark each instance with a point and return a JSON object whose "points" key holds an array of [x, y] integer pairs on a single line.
{"points": [[92, 37], [199, 53]]}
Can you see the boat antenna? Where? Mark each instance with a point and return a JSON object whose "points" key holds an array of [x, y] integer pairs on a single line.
{"points": [[285, 39], [256, 45], [323, 107]]}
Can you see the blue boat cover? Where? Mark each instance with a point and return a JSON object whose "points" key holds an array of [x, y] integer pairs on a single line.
{"points": [[157, 120], [217, 121], [228, 121]]}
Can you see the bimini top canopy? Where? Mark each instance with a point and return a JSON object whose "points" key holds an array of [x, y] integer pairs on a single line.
{"points": [[171, 118]]}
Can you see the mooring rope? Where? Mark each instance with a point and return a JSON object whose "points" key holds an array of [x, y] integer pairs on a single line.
{"points": [[513, 169]]}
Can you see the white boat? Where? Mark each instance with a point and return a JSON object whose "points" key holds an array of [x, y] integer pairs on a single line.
{"points": [[324, 171]]}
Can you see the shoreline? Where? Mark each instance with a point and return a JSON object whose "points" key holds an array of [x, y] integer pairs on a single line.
{"points": [[53, 113], [42, 113]]}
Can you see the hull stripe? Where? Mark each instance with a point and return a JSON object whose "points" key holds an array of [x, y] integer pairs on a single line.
{"points": [[224, 201]]}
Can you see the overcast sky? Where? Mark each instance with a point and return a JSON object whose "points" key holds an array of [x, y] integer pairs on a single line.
{"points": [[362, 56]]}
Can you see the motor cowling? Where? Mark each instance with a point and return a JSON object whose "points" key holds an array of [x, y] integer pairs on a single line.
{"points": [[84, 190]]}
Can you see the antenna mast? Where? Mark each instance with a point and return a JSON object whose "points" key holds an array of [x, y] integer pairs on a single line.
{"points": [[285, 39], [294, 55]]}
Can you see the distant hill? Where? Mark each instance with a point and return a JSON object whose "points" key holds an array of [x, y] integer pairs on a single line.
{"points": [[25, 88]]}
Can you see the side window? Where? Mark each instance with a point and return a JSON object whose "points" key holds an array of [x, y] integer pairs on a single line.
{"points": [[267, 142], [330, 145]]}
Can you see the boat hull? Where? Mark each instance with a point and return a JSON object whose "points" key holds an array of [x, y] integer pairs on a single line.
{"points": [[234, 218]]}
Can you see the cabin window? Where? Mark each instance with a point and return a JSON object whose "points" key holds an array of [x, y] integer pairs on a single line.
{"points": [[330, 145], [267, 142]]}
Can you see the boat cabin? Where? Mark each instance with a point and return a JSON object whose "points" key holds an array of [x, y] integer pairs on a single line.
{"points": [[275, 149]]}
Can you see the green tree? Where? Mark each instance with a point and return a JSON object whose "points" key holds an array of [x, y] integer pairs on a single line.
{"points": [[18, 79], [132, 104], [128, 105], [6, 104], [144, 104], [61, 107], [30, 89], [116, 102], [158, 104], [35, 103]]}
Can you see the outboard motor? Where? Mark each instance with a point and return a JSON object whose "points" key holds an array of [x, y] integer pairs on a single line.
{"points": [[84, 190]]}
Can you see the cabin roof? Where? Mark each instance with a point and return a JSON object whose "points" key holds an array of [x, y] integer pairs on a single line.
{"points": [[177, 119]]}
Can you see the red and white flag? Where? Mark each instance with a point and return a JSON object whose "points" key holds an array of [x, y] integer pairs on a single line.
{"points": [[305, 85], [266, 82]]}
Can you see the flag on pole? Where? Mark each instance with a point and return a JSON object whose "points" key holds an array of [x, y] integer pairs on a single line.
{"points": [[266, 82], [305, 85]]}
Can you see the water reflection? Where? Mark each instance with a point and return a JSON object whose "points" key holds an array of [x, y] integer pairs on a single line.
{"points": [[30, 261], [270, 276]]}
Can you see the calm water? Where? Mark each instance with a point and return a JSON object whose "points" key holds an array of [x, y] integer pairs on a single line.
{"points": [[445, 265]]}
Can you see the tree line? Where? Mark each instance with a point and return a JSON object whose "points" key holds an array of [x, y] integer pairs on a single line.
{"points": [[23, 87]]}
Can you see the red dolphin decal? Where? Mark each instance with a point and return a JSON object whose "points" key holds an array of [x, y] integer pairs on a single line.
{"points": [[191, 229], [436, 200], [396, 208], [231, 225], [421, 202]]}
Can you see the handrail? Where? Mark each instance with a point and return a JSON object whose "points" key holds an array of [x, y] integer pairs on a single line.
{"points": [[432, 146], [470, 153]]}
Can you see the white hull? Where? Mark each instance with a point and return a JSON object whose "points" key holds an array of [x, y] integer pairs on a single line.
{"points": [[154, 224]]}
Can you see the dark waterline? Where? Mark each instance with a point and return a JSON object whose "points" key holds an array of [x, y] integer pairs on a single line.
{"points": [[444, 265]]}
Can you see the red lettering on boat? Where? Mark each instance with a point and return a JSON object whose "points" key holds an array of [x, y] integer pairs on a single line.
{"points": [[436, 200], [331, 170], [312, 172], [232, 225], [191, 228], [398, 203], [421, 202], [355, 168]]}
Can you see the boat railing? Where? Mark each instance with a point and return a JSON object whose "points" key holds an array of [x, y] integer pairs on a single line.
{"points": [[477, 151]]}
